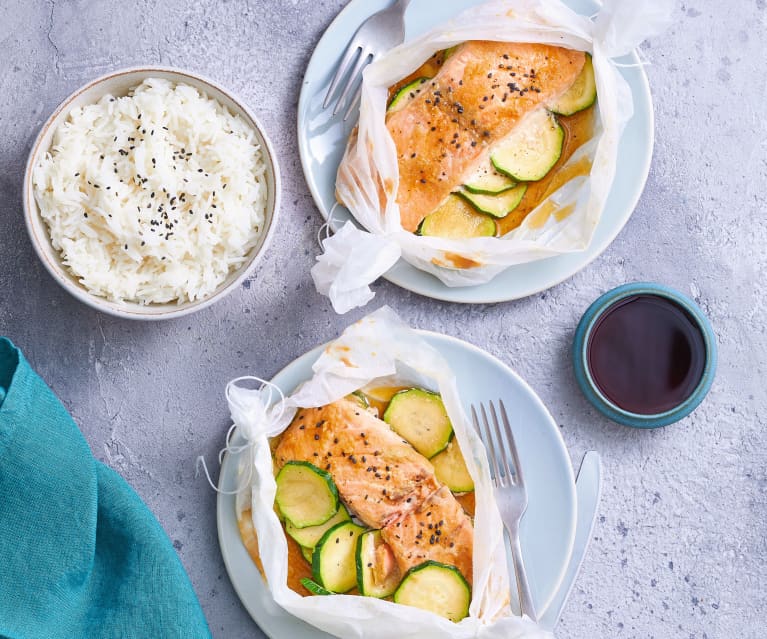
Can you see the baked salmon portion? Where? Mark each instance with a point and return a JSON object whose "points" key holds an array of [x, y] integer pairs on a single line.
{"points": [[379, 476], [479, 96], [439, 530]]}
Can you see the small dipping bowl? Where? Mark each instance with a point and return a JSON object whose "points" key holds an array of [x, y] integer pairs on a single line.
{"points": [[653, 327]]}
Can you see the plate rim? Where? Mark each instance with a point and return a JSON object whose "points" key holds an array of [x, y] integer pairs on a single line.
{"points": [[561, 447], [446, 293]]}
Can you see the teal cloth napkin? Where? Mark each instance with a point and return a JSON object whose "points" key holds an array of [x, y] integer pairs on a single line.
{"points": [[81, 556]]}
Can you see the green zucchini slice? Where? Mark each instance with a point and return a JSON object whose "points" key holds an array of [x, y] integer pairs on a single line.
{"points": [[581, 95], [436, 587], [306, 495], [369, 582], [496, 205], [360, 398], [532, 149], [449, 52], [487, 181], [405, 94], [450, 468], [456, 219], [307, 553], [277, 512], [419, 416], [308, 537], [334, 562], [314, 587]]}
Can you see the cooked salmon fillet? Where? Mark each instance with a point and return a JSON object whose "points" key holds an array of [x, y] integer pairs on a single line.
{"points": [[378, 474], [439, 530], [479, 96], [385, 483]]}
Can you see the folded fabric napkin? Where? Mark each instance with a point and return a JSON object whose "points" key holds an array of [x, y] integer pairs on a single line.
{"points": [[81, 556]]}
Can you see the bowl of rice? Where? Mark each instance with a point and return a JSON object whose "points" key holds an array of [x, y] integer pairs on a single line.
{"points": [[151, 193]]}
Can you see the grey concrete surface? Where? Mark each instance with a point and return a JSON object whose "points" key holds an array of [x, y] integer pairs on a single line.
{"points": [[680, 546]]}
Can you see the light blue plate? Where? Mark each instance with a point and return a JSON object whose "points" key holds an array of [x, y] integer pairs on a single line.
{"points": [[322, 140], [547, 530]]}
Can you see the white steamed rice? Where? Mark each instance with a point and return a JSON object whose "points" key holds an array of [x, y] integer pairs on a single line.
{"points": [[154, 197]]}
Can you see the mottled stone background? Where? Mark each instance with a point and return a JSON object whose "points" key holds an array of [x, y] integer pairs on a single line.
{"points": [[680, 546]]}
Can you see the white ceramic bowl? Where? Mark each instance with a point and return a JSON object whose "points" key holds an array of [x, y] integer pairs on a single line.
{"points": [[119, 83]]}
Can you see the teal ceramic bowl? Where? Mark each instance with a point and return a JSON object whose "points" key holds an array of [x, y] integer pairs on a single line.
{"points": [[589, 387]]}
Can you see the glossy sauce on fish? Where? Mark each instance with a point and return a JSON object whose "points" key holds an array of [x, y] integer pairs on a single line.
{"points": [[451, 513], [480, 94], [579, 129]]}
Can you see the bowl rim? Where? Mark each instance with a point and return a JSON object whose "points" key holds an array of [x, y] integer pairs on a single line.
{"points": [[588, 386], [68, 280]]}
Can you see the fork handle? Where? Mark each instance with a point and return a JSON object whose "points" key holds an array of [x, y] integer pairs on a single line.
{"points": [[523, 587], [402, 4]]}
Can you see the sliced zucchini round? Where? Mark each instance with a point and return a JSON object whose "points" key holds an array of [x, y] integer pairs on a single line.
{"points": [[450, 468], [314, 587], [436, 587], [532, 150], [405, 94], [487, 181], [334, 562], [360, 398], [450, 51], [307, 553], [496, 205], [370, 581], [308, 537], [581, 95], [419, 416], [277, 512], [456, 219], [306, 495]]}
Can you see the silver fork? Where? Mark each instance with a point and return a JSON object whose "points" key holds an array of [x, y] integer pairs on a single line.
{"points": [[510, 491], [379, 33]]}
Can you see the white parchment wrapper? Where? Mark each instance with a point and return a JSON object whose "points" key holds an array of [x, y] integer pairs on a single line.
{"points": [[378, 350], [370, 158]]}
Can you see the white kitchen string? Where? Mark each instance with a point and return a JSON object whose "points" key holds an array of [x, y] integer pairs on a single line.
{"points": [[249, 444], [326, 228]]}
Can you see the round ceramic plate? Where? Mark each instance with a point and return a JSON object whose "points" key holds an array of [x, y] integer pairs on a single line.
{"points": [[322, 140], [547, 529]]}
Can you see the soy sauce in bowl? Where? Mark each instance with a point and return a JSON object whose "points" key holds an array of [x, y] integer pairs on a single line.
{"points": [[646, 354]]}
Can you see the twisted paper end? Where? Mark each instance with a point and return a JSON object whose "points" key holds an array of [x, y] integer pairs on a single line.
{"points": [[254, 416]]}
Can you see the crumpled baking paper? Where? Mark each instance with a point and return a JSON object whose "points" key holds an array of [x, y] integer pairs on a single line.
{"points": [[378, 350], [370, 158]]}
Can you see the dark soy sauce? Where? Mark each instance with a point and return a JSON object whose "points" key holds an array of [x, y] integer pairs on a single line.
{"points": [[646, 354]]}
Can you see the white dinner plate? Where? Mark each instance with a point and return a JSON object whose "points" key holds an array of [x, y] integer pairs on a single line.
{"points": [[322, 140], [548, 527]]}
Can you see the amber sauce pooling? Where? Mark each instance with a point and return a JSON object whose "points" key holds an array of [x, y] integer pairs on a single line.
{"points": [[298, 567], [579, 129]]}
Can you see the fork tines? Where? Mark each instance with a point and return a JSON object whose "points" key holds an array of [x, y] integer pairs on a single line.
{"points": [[359, 56], [500, 444]]}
